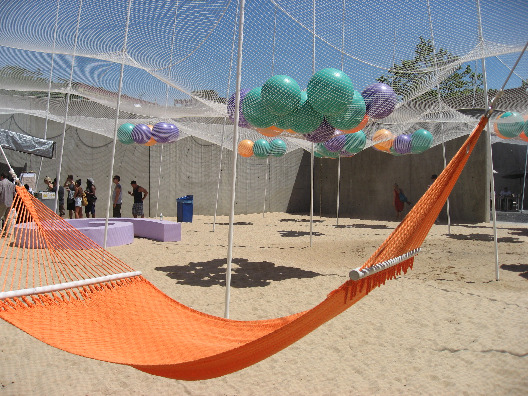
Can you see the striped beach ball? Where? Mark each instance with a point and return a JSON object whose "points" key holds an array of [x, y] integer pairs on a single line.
{"points": [[141, 134], [164, 132]]}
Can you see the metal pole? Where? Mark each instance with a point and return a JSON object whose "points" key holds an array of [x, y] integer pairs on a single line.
{"points": [[68, 94], [524, 180], [265, 187], [159, 179], [490, 167], [338, 187], [49, 86], [223, 128], [235, 142], [439, 104], [313, 146], [116, 122]]}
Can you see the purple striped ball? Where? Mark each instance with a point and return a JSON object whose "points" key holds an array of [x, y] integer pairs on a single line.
{"points": [[163, 132], [324, 132], [336, 144], [141, 134], [402, 144]]}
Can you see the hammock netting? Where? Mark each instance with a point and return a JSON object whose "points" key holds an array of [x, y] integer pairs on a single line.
{"points": [[129, 321]]}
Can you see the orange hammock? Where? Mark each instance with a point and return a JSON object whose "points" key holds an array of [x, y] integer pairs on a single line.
{"points": [[129, 321]]}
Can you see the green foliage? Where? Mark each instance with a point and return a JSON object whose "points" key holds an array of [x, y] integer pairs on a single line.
{"points": [[410, 74]]}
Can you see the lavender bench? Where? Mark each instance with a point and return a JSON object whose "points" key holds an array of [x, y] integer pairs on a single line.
{"points": [[159, 230]]}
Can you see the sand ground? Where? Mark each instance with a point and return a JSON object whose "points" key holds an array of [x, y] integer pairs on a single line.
{"points": [[447, 327]]}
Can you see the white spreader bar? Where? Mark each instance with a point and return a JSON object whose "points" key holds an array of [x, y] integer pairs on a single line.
{"points": [[66, 285], [357, 274]]}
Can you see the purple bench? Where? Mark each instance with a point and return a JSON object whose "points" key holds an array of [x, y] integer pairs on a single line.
{"points": [[121, 231], [159, 230]]}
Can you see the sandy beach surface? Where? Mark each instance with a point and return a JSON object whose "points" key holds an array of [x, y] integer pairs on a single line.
{"points": [[447, 327]]}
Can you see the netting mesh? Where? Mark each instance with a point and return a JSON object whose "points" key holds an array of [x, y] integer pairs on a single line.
{"points": [[180, 60]]}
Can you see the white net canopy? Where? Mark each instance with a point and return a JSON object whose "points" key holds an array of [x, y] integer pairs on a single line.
{"points": [[60, 61]]}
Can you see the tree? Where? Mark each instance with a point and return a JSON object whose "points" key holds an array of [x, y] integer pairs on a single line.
{"points": [[405, 77]]}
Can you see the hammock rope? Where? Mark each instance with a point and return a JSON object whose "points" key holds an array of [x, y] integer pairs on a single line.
{"points": [[129, 321]]}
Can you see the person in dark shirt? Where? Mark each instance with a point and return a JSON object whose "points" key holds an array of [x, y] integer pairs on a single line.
{"points": [[139, 194]]}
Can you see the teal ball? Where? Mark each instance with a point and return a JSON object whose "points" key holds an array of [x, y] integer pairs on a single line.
{"points": [[281, 95], [330, 91], [261, 148], [124, 133], [254, 110]]}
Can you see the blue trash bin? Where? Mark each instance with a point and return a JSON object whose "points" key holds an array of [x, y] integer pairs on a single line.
{"points": [[184, 209]]}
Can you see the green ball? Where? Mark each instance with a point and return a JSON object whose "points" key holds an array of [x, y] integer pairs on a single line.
{"points": [[278, 147], [324, 152], [355, 142], [352, 116], [283, 122], [330, 91], [305, 119], [254, 110], [281, 95], [124, 133], [510, 124], [261, 148], [421, 140]]}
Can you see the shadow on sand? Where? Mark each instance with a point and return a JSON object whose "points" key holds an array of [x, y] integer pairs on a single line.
{"points": [[483, 237], [245, 273], [372, 226], [522, 268], [294, 234]]}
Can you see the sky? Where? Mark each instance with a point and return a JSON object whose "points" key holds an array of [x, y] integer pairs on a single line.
{"points": [[278, 39]]}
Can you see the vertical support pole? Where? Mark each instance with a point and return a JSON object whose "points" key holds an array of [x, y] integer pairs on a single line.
{"points": [[116, 122], [265, 187], [313, 146], [235, 155], [490, 167], [524, 179], [68, 95]]}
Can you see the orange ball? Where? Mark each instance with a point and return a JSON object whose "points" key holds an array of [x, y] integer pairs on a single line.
{"points": [[272, 131], [151, 142], [245, 148], [385, 138], [360, 126]]}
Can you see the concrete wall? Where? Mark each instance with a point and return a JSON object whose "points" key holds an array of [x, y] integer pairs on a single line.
{"points": [[367, 181], [508, 163]]}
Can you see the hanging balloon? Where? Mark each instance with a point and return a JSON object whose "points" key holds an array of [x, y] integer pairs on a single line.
{"points": [[402, 144], [355, 142], [359, 127], [305, 119], [254, 110], [324, 152], [281, 95], [164, 132], [330, 91], [283, 122], [272, 131], [261, 148], [151, 142], [335, 144], [124, 133], [421, 140], [324, 132], [394, 152], [353, 115], [141, 133], [509, 125], [278, 147], [242, 122], [383, 139], [380, 100], [245, 148]]}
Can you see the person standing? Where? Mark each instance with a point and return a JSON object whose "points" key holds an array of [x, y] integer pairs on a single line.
{"points": [[70, 201], [7, 193], [78, 199], [62, 212], [399, 200], [117, 197], [90, 197], [139, 194]]}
